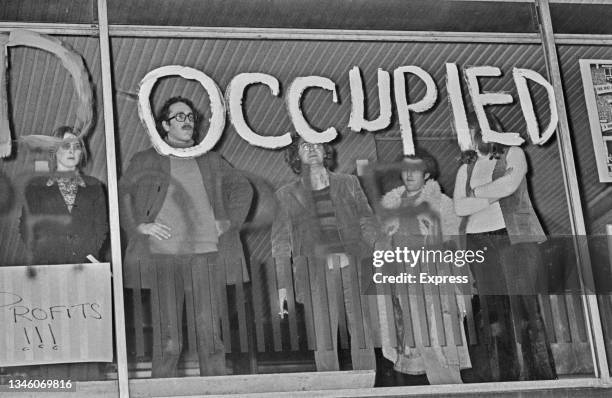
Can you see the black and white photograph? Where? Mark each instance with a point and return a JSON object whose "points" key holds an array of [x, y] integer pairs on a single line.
{"points": [[313, 198], [597, 77]]}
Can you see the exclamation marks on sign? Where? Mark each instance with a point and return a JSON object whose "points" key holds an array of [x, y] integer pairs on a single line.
{"points": [[25, 331], [55, 346], [41, 345], [41, 340]]}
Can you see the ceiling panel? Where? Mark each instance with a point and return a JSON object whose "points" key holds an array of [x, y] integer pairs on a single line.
{"points": [[49, 11], [416, 15]]}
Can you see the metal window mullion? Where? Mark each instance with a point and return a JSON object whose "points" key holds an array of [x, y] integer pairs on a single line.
{"points": [[572, 189], [113, 198]]}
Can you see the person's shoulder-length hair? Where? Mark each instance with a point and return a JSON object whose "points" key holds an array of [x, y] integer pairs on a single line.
{"points": [[431, 164], [59, 133], [494, 149], [292, 155], [392, 176]]}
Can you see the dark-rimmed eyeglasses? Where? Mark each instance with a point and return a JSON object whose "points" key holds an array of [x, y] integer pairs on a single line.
{"points": [[307, 146], [181, 117]]}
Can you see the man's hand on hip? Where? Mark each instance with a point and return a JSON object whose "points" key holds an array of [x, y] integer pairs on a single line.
{"points": [[222, 226], [155, 229]]}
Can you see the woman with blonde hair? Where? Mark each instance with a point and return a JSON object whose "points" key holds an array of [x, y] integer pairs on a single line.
{"points": [[64, 220]]}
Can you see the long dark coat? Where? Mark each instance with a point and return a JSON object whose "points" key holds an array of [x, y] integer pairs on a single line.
{"points": [[54, 235]]}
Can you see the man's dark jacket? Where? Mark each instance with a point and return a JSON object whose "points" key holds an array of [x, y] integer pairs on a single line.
{"points": [[142, 192], [295, 236]]}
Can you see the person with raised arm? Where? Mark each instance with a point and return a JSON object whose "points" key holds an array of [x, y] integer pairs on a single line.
{"points": [[492, 197]]}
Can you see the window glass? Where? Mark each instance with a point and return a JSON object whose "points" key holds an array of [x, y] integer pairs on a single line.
{"points": [[266, 318], [581, 18], [56, 303], [587, 119]]}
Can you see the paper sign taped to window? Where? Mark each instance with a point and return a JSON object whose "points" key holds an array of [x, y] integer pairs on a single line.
{"points": [[606, 126], [603, 88], [55, 314]]}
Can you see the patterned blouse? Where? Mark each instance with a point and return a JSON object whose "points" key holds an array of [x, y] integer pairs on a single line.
{"points": [[68, 186]]}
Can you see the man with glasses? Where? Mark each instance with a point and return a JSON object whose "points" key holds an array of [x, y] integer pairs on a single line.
{"points": [[183, 218], [325, 228]]}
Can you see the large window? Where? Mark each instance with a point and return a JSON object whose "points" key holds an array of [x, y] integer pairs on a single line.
{"points": [[55, 253], [240, 261]]}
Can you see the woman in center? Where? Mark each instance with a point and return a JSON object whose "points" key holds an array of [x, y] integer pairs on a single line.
{"points": [[428, 338]]}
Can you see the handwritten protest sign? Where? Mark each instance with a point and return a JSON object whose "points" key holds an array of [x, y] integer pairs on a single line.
{"points": [[55, 314]]}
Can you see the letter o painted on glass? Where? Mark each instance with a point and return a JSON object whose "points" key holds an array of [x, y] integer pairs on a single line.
{"points": [[217, 104]]}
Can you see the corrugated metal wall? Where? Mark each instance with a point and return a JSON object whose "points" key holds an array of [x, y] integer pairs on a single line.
{"points": [[42, 98], [223, 59]]}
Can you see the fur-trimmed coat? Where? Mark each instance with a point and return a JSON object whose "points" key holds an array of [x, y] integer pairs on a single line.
{"points": [[427, 220]]}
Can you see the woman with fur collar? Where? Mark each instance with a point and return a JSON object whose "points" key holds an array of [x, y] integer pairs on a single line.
{"points": [[419, 216]]}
